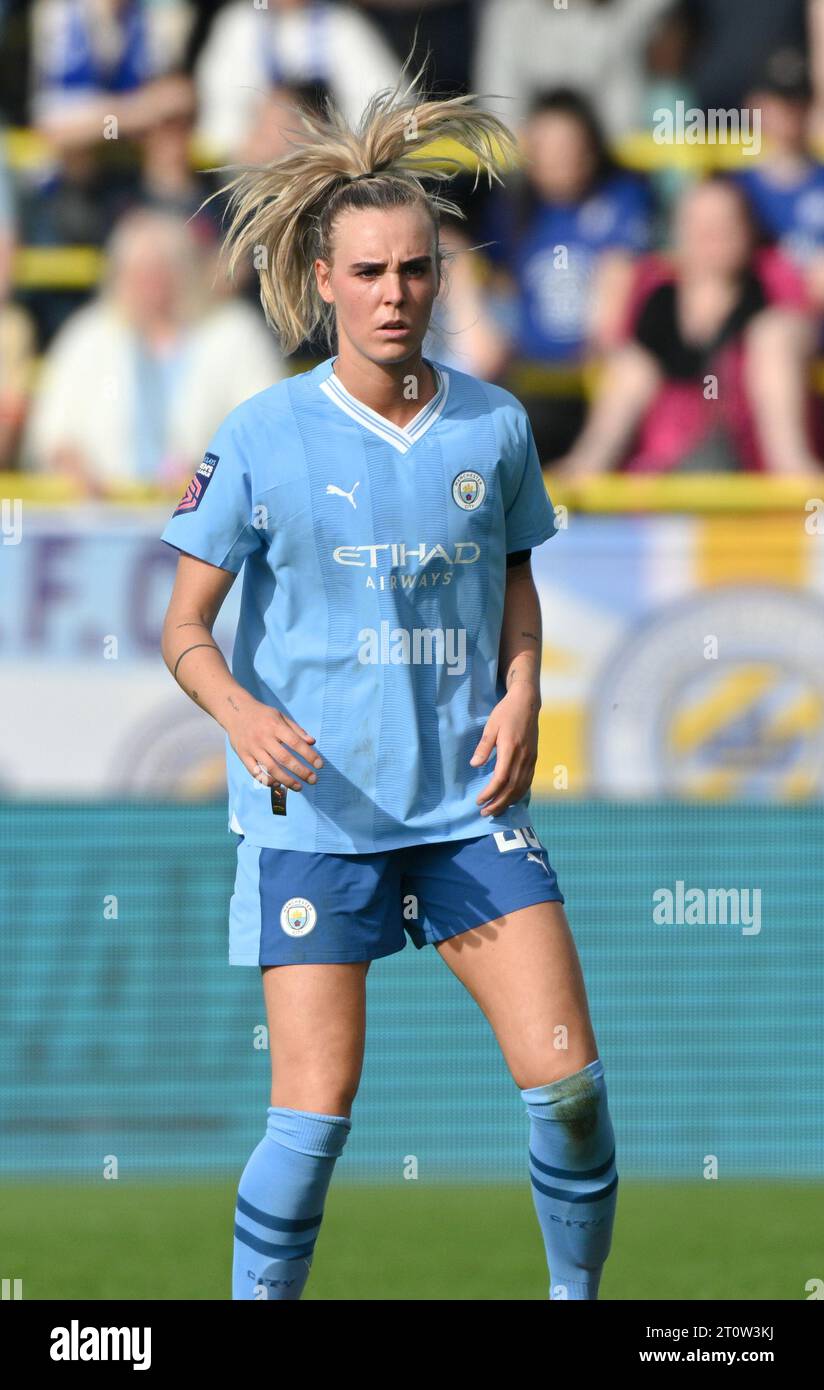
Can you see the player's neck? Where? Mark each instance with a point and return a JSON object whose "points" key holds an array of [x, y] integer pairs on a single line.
{"points": [[397, 390]]}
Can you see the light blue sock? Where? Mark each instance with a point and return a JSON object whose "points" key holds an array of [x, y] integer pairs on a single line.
{"points": [[280, 1201], [574, 1178]]}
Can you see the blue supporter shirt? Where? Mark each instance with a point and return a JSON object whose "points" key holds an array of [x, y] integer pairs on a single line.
{"points": [[791, 214], [553, 259], [73, 66], [372, 599]]}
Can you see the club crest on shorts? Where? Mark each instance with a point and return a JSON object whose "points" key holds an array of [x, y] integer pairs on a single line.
{"points": [[190, 501], [298, 917], [468, 490]]}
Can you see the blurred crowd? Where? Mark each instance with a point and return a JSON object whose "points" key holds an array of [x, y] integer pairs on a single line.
{"points": [[649, 321]]}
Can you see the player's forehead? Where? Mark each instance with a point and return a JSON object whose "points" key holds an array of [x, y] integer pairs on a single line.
{"points": [[388, 236]]}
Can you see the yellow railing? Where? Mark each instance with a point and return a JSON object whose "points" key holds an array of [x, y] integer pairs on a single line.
{"points": [[28, 149], [58, 267], [693, 492]]}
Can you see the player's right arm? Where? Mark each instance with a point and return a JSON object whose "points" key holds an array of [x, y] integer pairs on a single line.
{"points": [[261, 736]]}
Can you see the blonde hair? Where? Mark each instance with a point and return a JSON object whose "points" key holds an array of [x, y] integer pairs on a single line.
{"points": [[289, 207]]}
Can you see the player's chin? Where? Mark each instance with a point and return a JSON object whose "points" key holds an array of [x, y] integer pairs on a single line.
{"points": [[394, 348]]}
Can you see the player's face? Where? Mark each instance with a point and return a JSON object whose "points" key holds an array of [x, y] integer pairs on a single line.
{"points": [[383, 272]]}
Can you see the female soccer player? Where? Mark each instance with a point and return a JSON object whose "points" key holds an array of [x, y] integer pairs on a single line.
{"points": [[381, 715]]}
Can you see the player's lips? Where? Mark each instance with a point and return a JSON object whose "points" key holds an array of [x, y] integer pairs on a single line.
{"points": [[395, 326]]}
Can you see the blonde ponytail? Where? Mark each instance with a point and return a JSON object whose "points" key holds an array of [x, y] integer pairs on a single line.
{"points": [[284, 212]]}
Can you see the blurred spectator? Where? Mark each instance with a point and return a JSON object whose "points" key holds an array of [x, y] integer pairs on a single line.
{"points": [[78, 200], [565, 239], [137, 381], [786, 186], [166, 179], [101, 75], [275, 124], [17, 367], [6, 107], [736, 40], [74, 202], [714, 374], [97, 59], [248, 50], [594, 46], [17, 335], [668, 54], [668, 61], [815, 54], [7, 195], [462, 333]]}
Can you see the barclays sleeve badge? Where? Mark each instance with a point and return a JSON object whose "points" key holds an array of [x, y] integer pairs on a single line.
{"points": [[190, 501]]}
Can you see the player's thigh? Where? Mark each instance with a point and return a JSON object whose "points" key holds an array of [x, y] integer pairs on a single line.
{"points": [[316, 1016], [523, 971]]}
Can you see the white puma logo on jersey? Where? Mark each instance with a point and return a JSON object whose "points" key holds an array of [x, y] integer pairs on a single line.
{"points": [[339, 492], [538, 861]]}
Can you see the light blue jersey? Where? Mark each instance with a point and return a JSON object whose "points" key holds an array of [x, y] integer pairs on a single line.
{"points": [[372, 598]]}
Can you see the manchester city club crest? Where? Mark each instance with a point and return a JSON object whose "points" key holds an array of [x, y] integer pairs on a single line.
{"points": [[469, 490], [298, 917]]}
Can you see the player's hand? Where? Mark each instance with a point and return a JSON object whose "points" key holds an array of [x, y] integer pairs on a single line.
{"points": [[512, 728], [266, 742]]}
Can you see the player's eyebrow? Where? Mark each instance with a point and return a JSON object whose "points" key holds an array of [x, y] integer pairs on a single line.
{"points": [[381, 265]]}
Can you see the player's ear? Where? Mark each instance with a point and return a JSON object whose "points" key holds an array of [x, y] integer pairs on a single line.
{"points": [[323, 270]]}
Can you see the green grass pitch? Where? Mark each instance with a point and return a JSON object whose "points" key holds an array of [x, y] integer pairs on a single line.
{"points": [[705, 1240]]}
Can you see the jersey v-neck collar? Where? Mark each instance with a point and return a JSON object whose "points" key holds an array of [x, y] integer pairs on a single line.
{"points": [[400, 437]]}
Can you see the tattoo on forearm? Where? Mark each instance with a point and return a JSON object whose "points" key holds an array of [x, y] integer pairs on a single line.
{"points": [[533, 635], [233, 702], [191, 649]]}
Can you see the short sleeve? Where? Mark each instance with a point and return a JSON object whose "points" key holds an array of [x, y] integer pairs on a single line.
{"points": [[214, 519], [530, 516]]}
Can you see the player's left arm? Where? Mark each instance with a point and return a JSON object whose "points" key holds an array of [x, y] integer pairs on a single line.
{"points": [[512, 727]]}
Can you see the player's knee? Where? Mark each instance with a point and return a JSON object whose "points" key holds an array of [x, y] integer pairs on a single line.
{"points": [[319, 1098], [577, 1101], [325, 1085]]}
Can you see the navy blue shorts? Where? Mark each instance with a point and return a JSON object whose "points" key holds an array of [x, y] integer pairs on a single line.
{"points": [[293, 907]]}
